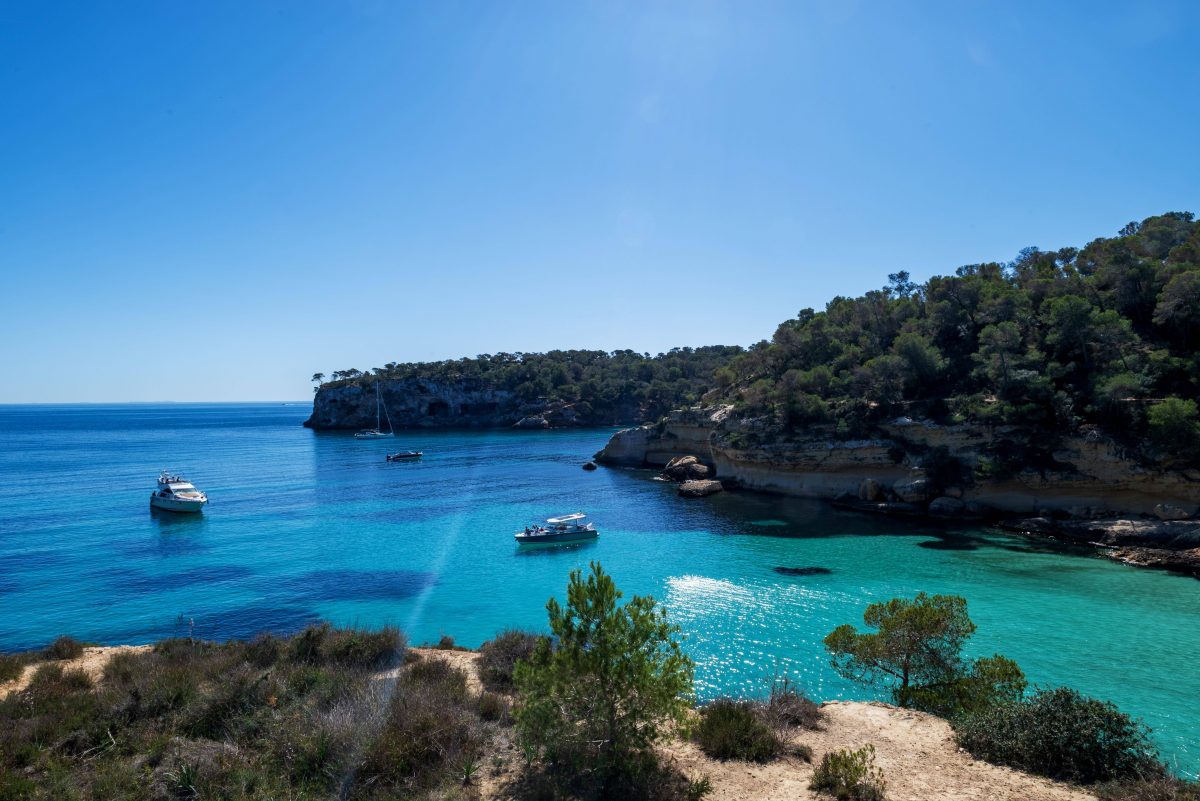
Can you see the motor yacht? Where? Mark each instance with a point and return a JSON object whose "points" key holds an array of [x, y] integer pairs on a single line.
{"points": [[566, 528], [174, 494]]}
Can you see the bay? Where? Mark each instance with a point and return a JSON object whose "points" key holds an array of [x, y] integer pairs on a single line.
{"points": [[305, 526]]}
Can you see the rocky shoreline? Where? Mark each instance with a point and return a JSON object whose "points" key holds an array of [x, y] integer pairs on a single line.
{"points": [[1094, 496]]}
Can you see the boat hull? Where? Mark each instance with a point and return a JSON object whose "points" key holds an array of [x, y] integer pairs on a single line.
{"points": [[177, 504], [556, 537]]}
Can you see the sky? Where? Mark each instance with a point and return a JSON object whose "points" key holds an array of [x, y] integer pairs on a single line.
{"points": [[213, 201]]}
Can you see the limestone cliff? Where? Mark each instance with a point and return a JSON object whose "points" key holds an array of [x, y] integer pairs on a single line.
{"points": [[1091, 477], [416, 403]]}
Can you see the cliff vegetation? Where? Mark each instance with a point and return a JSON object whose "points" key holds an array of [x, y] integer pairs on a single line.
{"points": [[1107, 335]]}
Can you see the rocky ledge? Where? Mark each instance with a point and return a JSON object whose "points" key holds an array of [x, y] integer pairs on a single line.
{"points": [[1093, 494]]}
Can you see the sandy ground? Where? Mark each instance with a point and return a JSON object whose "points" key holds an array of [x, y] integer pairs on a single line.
{"points": [[916, 752], [91, 662]]}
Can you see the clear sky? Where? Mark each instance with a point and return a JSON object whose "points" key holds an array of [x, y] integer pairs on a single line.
{"points": [[214, 200]]}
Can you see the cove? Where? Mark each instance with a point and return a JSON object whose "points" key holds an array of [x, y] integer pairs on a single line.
{"points": [[308, 525]]}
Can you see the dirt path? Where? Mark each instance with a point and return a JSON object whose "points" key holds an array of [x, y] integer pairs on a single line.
{"points": [[92, 662]]}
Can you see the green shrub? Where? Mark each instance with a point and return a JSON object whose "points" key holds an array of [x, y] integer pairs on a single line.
{"points": [[493, 706], [264, 650], [12, 666], [51, 682], [429, 734], [850, 775], [358, 648], [1061, 734], [499, 656], [730, 729], [787, 707], [1157, 788], [63, 648]]}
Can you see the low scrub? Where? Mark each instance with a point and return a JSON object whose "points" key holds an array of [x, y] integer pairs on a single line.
{"points": [[730, 729], [305, 717], [1061, 734], [63, 648], [788, 708], [1158, 788], [850, 776], [499, 656]]}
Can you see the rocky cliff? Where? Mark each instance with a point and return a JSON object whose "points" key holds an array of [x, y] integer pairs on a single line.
{"points": [[1090, 478], [416, 403]]}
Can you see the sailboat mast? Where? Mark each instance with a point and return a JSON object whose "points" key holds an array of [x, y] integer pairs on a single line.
{"points": [[377, 402]]}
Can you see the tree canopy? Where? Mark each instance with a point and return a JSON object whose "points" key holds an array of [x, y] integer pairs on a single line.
{"points": [[1045, 343]]}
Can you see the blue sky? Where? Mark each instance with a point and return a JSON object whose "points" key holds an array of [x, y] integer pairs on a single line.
{"points": [[212, 201]]}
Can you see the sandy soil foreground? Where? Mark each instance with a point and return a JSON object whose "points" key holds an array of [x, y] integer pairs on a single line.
{"points": [[916, 752]]}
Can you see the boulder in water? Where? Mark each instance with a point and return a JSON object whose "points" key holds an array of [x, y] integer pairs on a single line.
{"points": [[1172, 511], [589, 465], [946, 507], [698, 489]]}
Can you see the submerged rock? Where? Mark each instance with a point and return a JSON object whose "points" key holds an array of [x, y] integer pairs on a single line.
{"points": [[698, 489], [803, 571], [946, 507], [1171, 511]]}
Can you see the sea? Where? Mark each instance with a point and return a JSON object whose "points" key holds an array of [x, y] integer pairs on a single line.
{"points": [[304, 526]]}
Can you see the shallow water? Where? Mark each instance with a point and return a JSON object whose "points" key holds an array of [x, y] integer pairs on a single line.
{"points": [[305, 525]]}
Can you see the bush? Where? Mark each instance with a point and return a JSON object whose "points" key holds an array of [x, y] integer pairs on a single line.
{"points": [[366, 650], [12, 666], [51, 682], [63, 648], [787, 707], [732, 729], [850, 775], [493, 707], [1158, 788], [429, 733], [1061, 734], [499, 656]]}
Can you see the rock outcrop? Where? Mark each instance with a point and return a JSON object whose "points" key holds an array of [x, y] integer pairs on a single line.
{"points": [[1092, 479], [418, 403], [698, 489]]}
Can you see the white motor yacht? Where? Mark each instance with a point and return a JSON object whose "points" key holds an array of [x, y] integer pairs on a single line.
{"points": [[567, 528], [174, 494]]}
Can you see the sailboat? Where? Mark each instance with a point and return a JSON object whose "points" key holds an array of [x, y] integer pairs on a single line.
{"points": [[375, 433]]}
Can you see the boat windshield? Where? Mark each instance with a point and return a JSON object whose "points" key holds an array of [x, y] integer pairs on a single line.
{"points": [[181, 487]]}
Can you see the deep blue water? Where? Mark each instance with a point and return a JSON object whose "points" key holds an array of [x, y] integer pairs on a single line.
{"points": [[305, 526]]}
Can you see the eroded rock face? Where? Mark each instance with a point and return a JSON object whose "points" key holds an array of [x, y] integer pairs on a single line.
{"points": [[1171, 511], [913, 490], [870, 490], [419, 403], [698, 489]]}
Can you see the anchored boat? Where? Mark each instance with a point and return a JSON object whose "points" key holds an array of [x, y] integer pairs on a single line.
{"points": [[567, 528], [375, 433], [174, 494]]}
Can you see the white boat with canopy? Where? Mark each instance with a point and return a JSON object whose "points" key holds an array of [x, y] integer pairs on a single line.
{"points": [[175, 494], [565, 528], [375, 433]]}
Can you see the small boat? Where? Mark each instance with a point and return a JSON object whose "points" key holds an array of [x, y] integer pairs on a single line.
{"points": [[375, 433], [567, 528], [174, 494], [402, 455]]}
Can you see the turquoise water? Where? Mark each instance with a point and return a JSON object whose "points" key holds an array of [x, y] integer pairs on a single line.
{"points": [[305, 525]]}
